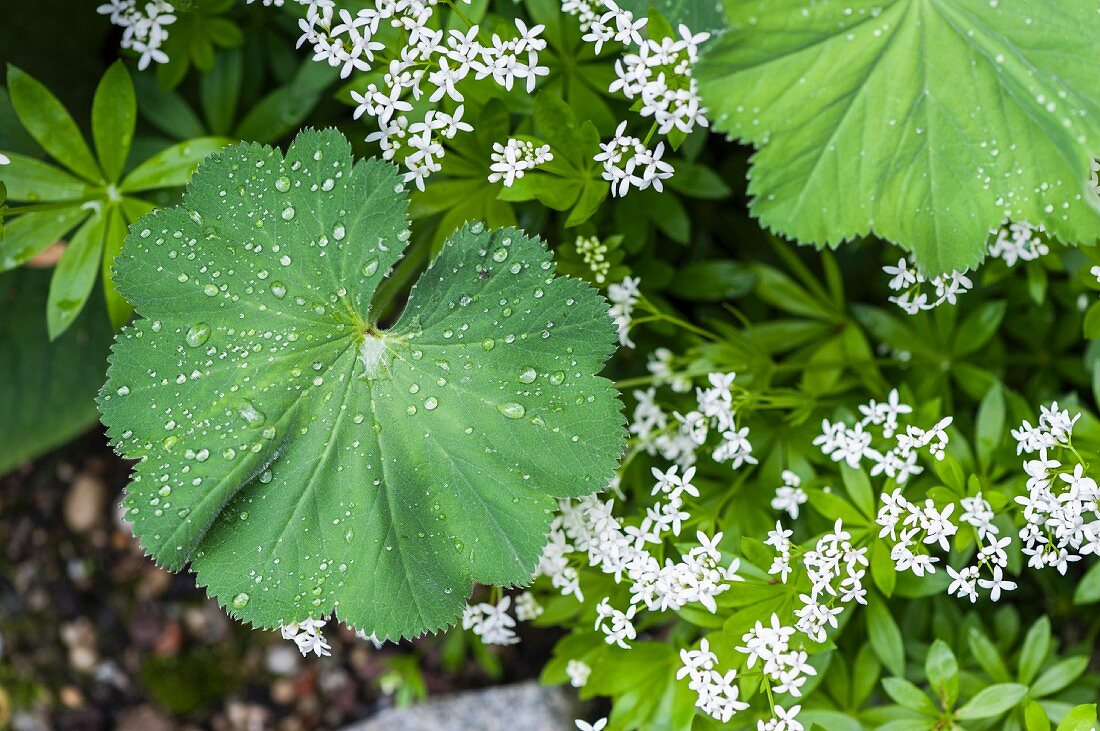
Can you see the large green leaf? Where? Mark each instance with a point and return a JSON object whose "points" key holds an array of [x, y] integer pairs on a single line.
{"points": [[926, 122], [304, 460]]}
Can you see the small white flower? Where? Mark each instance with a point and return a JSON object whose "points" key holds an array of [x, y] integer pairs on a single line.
{"points": [[577, 671]]}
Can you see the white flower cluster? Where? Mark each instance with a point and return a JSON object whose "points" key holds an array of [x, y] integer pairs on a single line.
{"points": [[430, 64], [491, 622], [770, 646], [678, 440], [915, 529], [832, 558], [594, 253], [628, 162], [143, 27], [527, 607], [589, 526], [657, 74], [717, 691], [914, 298], [659, 364], [615, 624], [624, 295], [790, 496], [511, 160], [307, 635], [853, 444], [716, 404], [1055, 428], [1018, 242], [577, 671], [1062, 507], [836, 569], [919, 525], [1012, 243]]}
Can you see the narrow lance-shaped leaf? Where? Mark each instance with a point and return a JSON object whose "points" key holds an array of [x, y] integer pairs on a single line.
{"points": [[75, 274], [171, 166], [305, 461], [50, 124], [927, 122], [114, 116], [32, 232]]}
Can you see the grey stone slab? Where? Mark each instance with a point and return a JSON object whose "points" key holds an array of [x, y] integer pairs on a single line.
{"points": [[526, 706]]}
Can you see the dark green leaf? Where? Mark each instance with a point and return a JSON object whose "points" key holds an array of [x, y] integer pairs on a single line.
{"points": [[114, 115], [75, 275], [49, 123], [992, 701]]}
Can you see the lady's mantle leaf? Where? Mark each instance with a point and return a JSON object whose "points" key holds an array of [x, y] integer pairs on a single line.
{"points": [[304, 461], [926, 122]]}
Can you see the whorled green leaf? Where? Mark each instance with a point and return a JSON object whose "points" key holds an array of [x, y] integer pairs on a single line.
{"points": [[305, 461], [50, 124], [32, 232], [172, 166], [75, 274], [927, 122], [31, 180], [114, 116]]}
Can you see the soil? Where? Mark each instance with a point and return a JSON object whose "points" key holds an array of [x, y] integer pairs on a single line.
{"points": [[94, 636]]}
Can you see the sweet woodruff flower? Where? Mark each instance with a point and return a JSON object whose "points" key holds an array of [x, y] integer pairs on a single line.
{"points": [[144, 25], [427, 64], [307, 635], [514, 158]]}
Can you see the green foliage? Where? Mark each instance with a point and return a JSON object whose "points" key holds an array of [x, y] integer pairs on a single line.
{"points": [[864, 128], [93, 199], [47, 388], [380, 472], [200, 29], [572, 181]]}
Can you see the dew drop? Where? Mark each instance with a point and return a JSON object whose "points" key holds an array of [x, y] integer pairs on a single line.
{"points": [[210, 290], [241, 600], [197, 334], [288, 213], [370, 268], [488, 343], [339, 232], [556, 378], [527, 375], [247, 411], [282, 184], [512, 410], [278, 290], [430, 403]]}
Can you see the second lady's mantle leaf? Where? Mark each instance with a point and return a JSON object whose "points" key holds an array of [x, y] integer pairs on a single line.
{"points": [[304, 461], [927, 122]]}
